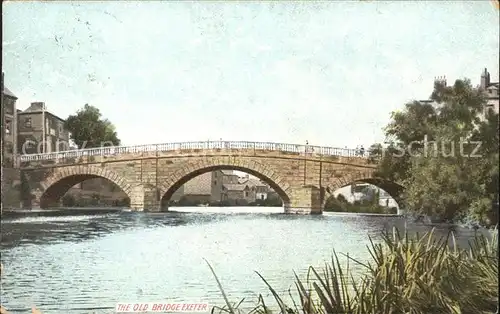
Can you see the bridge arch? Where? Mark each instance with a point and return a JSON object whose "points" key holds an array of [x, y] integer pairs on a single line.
{"points": [[395, 190], [62, 179], [266, 173]]}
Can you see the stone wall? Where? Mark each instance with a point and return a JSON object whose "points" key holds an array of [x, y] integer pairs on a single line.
{"points": [[11, 188]]}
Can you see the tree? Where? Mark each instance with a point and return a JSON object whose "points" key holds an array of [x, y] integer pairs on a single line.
{"points": [[88, 129], [442, 177]]}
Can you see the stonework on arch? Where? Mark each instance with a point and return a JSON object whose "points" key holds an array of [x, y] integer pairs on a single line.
{"points": [[244, 164], [393, 188], [349, 178], [149, 178], [133, 191]]}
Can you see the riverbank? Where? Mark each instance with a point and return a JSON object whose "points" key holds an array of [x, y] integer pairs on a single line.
{"points": [[236, 246], [19, 213], [407, 274]]}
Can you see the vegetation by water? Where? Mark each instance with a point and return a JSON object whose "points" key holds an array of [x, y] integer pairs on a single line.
{"points": [[372, 206], [95, 200], [88, 129], [444, 155], [418, 275], [187, 201]]}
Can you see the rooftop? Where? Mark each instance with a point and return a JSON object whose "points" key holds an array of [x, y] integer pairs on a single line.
{"points": [[251, 182], [38, 107], [235, 187], [228, 172], [7, 92], [200, 185]]}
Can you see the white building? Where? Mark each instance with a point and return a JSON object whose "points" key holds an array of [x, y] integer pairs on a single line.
{"points": [[491, 91]]}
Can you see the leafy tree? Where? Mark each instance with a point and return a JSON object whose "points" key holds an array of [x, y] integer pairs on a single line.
{"points": [[88, 128], [443, 178]]}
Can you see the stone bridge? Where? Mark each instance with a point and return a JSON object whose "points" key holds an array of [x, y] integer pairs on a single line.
{"points": [[302, 175]]}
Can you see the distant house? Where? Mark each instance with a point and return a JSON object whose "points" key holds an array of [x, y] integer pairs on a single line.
{"points": [[366, 192], [199, 188], [219, 178], [207, 187], [10, 131], [238, 192], [40, 131], [260, 188], [220, 185], [489, 89]]}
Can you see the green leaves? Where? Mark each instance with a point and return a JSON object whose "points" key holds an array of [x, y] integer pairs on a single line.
{"points": [[407, 274], [460, 170], [89, 130]]}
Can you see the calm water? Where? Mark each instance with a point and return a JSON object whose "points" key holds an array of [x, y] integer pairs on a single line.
{"points": [[86, 264]]}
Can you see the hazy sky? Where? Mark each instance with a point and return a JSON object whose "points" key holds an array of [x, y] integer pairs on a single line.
{"points": [[329, 73]]}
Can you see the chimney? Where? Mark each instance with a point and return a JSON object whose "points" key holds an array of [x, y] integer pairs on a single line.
{"points": [[37, 105], [485, 79], [440, 80]]}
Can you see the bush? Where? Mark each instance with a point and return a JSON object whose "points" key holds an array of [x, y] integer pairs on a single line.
{"points": [[417, 275]]}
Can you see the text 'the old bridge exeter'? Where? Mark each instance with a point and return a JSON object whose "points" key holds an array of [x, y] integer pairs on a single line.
{"points": [[302, 175]]}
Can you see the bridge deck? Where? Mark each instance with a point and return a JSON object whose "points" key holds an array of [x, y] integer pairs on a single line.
{"points": [[207, 147]]}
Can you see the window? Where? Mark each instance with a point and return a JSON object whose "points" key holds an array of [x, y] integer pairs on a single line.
{"points": [[9, 148], [9, 106], [27, 122], [215, 182], [60, 128], [246, 193], [7, 127]]}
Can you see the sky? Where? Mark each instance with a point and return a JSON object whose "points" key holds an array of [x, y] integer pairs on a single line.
{"points": [[289, 72]]}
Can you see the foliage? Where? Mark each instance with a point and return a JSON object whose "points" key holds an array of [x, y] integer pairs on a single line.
{"points": [[372, 206], [188, 201], [88, 129], [69, 200], [430, 153], [417, 275]]}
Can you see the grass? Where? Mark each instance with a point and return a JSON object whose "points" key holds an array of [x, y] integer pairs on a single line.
{"points": [[406, 275]]}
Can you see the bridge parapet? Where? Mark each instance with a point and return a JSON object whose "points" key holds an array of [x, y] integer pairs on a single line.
{"points": [[187, 149]]}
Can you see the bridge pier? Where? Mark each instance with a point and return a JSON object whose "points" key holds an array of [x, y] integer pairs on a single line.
{"points": [[151, 200], [305, 200]]}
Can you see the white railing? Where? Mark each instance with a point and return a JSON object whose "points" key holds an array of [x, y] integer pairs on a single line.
{"points": [[206, 145]]}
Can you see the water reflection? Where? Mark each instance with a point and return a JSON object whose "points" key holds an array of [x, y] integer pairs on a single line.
{"points": [[79, 264]]}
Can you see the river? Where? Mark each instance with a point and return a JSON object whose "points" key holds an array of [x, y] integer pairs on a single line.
{"points": [[87, 264]]}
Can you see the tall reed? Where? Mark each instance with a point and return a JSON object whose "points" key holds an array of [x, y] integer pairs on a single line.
{"points": [[406, 275]]}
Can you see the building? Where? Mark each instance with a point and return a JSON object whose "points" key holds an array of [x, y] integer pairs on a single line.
{"points": [[491, 91], [238, 192], [214, 186], [10, 175], [363, 192], [199, 189], [9, 117], [260, 188], [219, 179], [40, 131]]}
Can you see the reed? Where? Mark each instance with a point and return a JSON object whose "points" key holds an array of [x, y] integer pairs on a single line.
{"points": [[405, 275]]}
